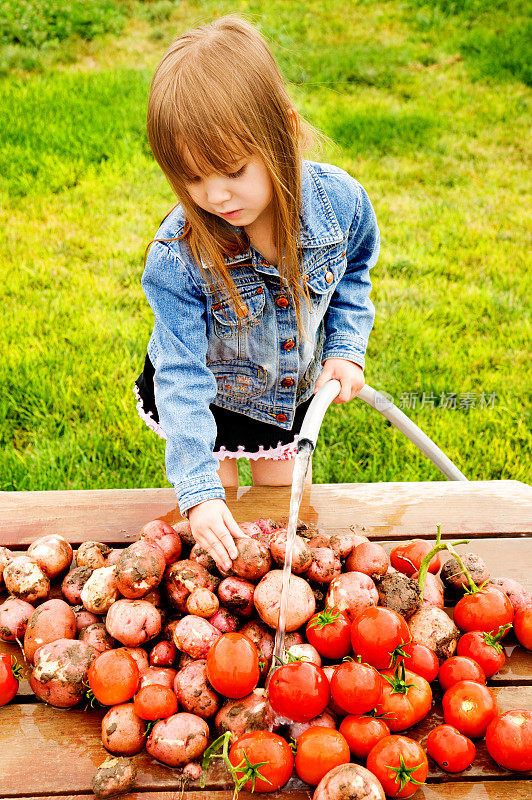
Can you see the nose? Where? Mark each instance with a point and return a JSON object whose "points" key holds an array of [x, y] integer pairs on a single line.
{"points": [[217, 190]]}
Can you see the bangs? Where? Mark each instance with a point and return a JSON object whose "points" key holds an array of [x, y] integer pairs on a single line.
{"points": [[212, 151]]}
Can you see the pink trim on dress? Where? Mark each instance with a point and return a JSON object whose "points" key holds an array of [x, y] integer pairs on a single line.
{"points": [[147, 416]]}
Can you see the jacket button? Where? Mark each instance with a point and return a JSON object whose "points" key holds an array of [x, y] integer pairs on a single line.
{"points": [[344, 254], [216, 306], [329, 277], [264, 262], [289, 344], [306, 278], [287, 382], [281, 417], [260, 290], [282, 301], [244, 311]]}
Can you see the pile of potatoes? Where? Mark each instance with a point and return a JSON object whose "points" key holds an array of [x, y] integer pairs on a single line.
{"points": [[165, 601]]}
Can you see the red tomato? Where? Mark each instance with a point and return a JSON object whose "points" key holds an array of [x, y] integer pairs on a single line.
{"points": [[329, 632], [470, 707], [233, 665], [406, 698], [299, 691], [450, 749], [356, 687], [269, 750], [376, 632], [113, 677], [523, 627], [485, 610], [407, 557], [319, 750], [509, 740], [9, 677], [363, 733], [155, 702], [421, 660], [397, 760], [460, 668], [484, 648]]}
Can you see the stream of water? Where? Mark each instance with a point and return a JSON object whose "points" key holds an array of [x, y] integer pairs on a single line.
{"points": [[301, 465]]}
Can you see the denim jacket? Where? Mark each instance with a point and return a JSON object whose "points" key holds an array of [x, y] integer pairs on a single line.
{"points": [[260, 367]]}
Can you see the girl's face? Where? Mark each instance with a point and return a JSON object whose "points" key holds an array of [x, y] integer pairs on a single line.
{"points": [[242, 197]]}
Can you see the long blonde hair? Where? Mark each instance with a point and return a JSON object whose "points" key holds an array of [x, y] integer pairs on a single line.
{"points": [[218, 95]]}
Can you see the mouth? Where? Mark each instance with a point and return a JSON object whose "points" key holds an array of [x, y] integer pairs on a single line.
{"points": [[231, 214]]}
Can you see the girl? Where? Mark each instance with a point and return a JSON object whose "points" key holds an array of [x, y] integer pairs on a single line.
{"points": [[258, 279]]}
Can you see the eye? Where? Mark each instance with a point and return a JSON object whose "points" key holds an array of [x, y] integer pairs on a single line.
{"points": [[238, 173], [194, 179]]}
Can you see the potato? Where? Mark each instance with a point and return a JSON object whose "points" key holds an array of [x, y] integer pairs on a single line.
{"points": [[163, 536], [349, 782], [123, 732], [325, 565], [251, 713], [433, 628], [325, 720], [164, 676], [96, 635], [163, 654], [202, 603], [184, 531], [52, 553], [25, 579], [400, 593], [236, 595], [92, 554], [453, 577], [133, 622], [305, 652], [52, 620], [225, 621], [345, 543], [114, 776], [100, 591], [194, 692], [263, 639], [84, 617], [140, 657], [179, 739], [139, 569], [195, 636], [267, 600], [516, 594], [301, 555], [181, 579], [203, 557], [5, 556], [253, 560], [73, 583], [432, 590], [61, 671], [14, 617], [370, 558], [352, 592]]}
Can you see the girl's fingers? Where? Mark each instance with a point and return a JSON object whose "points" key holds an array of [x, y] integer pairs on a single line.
{"points": [[234, 527], [215, 548], [229, 544]]}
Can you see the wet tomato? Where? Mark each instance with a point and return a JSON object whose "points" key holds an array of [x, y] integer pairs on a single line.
{"points": [[376, 632], [484, 648], [329, 632], [460, 668], [9, 677], [356, 687], [268, 750], [299, 691], [407, 557], [233, 665], [470, 707], [450, 749], [523, 627], [155, 702], [421, 660], [318, 751], [362, 733], [398, 761], [113, 677], [509, 740], [406, 698], [485, 610]]}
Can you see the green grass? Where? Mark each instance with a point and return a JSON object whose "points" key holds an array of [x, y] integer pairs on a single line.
{"points": [[428, 106]]}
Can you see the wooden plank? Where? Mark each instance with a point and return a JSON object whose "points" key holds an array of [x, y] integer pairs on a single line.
{"points": [[385, 510], [42, 736]]}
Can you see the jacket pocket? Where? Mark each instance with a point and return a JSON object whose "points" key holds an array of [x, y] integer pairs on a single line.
{"points": [[227, 324], [238, 380]]}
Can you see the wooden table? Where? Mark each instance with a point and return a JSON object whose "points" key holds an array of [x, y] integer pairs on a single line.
{"points": [[49, 752]]}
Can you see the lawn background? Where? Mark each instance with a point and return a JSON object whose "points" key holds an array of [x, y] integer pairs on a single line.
{"points": [[428, 104]]}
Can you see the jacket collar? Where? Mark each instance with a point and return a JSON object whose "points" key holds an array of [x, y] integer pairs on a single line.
{"points": [[319, 226]]}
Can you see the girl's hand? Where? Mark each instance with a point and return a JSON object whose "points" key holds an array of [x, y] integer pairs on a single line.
{"points": [[214, 528], [350, 375]]}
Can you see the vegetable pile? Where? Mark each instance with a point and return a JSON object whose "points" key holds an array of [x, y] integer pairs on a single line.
{"points": [[180, 656]]}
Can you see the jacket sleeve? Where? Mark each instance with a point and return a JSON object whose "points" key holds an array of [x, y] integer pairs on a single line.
{"points": [[351, 313], [185, 386]]}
